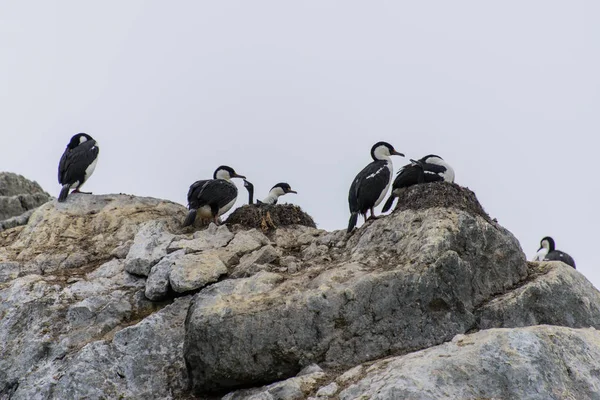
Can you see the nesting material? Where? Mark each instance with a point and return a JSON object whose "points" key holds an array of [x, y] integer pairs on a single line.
{"points": [[269, 217], [440, 194]]}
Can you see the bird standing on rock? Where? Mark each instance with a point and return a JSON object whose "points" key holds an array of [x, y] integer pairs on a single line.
{"points": [[371, 184], [214, 197], [548, 252], [77, 164], [430, 168]]}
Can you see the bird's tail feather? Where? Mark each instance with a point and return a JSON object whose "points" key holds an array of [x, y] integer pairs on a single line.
{"points": [[191, 217], [388, 204], [64, 192], [353, 221]]}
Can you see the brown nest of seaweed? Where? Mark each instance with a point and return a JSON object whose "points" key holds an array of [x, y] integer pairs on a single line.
{"points": [[267, 217], [440, 194]]}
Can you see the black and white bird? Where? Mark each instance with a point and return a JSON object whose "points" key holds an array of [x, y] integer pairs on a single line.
{"points": [[77, 164], [213, 197], [548, 252], [371, 184], [431, 168], [277, 191]]}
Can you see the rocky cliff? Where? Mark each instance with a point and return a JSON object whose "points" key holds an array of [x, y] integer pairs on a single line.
{"points": [[106, 297]]}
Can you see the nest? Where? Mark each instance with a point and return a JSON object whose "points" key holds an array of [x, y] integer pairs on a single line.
{"points": [[440, 194], [267, 217]]}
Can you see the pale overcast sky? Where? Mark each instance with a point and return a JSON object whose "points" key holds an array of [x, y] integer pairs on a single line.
{"points": [[508, 92]]}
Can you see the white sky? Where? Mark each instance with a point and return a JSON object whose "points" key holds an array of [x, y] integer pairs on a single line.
{"points": [[507, 92]]}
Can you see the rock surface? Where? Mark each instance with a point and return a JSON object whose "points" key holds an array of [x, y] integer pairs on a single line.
{"points": [[64, 298], [540, 362], [296, 313], [403, 283], [18, 198]]}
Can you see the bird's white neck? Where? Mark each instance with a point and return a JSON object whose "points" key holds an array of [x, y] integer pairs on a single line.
{"points": [[541, 254], [222, 174], [382, 153], [273, 195]]}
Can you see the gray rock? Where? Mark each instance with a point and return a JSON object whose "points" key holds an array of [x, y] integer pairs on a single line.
{"points": [[287, 237], [350, 375], [82, 298], [16, 221], [157, 284], [194, 271], [252, 263], [290, 389], [211, 238], [13, 185], [534, 363], [122, 250], [9, 271], [327, 391], [149, 246], [244, 242], [417, 279], [18, 198], [556, 294], [142, 361]]}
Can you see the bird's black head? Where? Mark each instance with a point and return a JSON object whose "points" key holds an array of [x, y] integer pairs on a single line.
{"points": [[286, 188], [547, 243], [248, 185], [382, 150], [225, 172], [78, 139]]}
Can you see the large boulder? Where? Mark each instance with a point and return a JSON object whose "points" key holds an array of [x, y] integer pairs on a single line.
{"points": [[18, 198], [534, 363], [401, 283]]}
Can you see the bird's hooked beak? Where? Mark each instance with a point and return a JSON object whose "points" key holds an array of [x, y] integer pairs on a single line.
{"points": [[291, 191], [395, 153], [236, 175]]}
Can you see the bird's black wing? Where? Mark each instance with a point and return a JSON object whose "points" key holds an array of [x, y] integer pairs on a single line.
{"points": [[558, 255], [217, 192], [74, 162], [194, 191], [62, 165], [409, 175], [368, 185]]}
